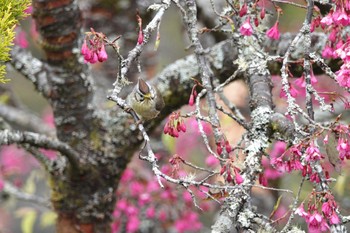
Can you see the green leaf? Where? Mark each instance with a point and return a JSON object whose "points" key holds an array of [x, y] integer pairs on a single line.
{"points": [[48, 219], [30, 185], [340, 185], [276, 206], [169, 143], [28, 221]]}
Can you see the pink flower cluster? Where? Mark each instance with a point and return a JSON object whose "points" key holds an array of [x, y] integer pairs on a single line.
{"points": [[317, 222], [337, 46], [226, 171], [246, 28], [175, 161], [143, 203], [174, 125], [224, 143], [93, 48], [297, 88], [291, 160], [270, 173], [343, 145]]}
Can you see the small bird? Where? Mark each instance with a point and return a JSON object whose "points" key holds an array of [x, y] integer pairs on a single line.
{"points": [[145, 100]]}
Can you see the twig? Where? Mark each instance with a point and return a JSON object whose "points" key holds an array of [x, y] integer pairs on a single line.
{"points": [[25, 120], [31, 68], [14, 191], [289, 3], [286, 227], [40, 141], [137, 50]]}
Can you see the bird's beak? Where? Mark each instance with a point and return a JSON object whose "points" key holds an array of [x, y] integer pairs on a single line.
{"points": [[147, 96]]}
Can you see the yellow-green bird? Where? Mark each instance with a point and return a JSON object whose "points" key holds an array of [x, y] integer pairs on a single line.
{"points": [[145, 100]]}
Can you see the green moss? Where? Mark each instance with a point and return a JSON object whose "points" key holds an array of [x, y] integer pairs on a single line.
{"points": [[11, 11]]}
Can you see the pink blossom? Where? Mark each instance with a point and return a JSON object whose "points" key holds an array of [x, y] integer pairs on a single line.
{"points": [[191, 100], [228, 147], [315, 23], [151, 212], [14, 160], [48, 118], [262, 13], [193, 124], [316, 223], [243, 11], [334, 219], [84, 48], [128, 174], [278, 149], [101, 54], [327, 52], [312, 153], [238, 178], [51, 154], [315, 178], [153, 186], [21, 39], [211, 161], [273, 32], [1, 184], [343, 148], [277, 162], [293, 92], [122, 205], [300, 82], [187, 197], [326, 138], [132, 224], [343, 76], [162, 215], [188, 222], [328, 207], [342, 18], [333, 35], [262, 180], [256, 21], [326, 21], [29, 9], [93, 49], [144, 199], [136, 188], [218, 148], [174, 125], [300, 211], [246, 28], [132, 210], [140, 37]]}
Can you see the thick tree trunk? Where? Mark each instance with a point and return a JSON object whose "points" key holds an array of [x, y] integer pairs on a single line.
{"points": [[83, 194]]}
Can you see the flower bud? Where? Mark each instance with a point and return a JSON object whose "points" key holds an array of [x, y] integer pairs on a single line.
{"points": [[102, 55], [84, 48], [218, 148], [191, 100], [243, 11], [228, 147]]}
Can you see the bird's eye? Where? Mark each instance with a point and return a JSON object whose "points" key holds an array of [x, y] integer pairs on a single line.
{"points": [[139, 97]]}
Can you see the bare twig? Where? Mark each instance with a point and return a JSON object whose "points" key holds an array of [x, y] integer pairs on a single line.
{"points": [[25, 120], [40, 141], [14, 191]]}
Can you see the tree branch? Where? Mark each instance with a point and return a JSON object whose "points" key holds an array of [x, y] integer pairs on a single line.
{"points": [[25, 120], [41, 141], [31, 68], [17, 193]]}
